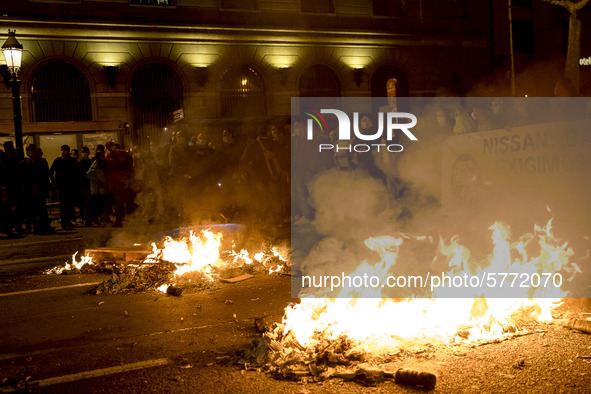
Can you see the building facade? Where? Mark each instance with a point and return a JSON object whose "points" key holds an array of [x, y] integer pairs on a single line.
{"points": [[540, 39], [94, 69]]}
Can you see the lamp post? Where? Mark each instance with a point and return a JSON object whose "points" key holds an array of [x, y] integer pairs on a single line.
{"points": [[13, 51]]}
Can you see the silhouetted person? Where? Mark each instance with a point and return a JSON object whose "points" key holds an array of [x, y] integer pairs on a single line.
{"points": [[365, 160], [97, 176], [282, 150], [119, 175], [179, 157], [65, 174], [8, 213], [84, 162], [36, 191], [152, 171], [227, 174], [483, 117], [263, 171], [443, 125], [11, 177], [202, 181], [500, 113], [463, 122]]}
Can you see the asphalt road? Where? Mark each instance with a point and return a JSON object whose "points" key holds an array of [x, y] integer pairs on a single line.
{"points": [[35, 253], [60, 330], [55, 337], [55, 334]]}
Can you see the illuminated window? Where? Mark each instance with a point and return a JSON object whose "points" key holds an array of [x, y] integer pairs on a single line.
{"points": [[60, 93], [155, 94], [240, 4], [317, 6], [242, 93]]}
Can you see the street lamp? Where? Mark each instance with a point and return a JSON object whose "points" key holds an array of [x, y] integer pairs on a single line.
{"points": [[13, 51]]}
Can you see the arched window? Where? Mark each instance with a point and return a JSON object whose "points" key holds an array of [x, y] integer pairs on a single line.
{"points": [[319, 81], [60, 93], [156, 93], [242, 92]]}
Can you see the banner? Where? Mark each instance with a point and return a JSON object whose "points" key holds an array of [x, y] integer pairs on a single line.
{"points": [[548, 163]]}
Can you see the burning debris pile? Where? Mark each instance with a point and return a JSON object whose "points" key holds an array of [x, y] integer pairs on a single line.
{"points": [[136, 278], [84, 266], [281, 355], [323, 337], [197, 261]]}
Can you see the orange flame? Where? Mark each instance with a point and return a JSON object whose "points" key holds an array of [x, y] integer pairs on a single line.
{"points": [[71, 266], [200, 253], [382, 323]]}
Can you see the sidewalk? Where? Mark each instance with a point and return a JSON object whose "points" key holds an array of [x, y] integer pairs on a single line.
{"points": [[32, 253]]}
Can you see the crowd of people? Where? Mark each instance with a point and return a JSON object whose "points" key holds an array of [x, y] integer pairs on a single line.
{"points": [[503, 113], [89, 190], [437, 119], [198, 177], [188, 178], [216, 178]]}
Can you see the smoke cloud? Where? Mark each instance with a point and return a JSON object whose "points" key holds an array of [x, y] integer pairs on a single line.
{"points": [[530, 165]]}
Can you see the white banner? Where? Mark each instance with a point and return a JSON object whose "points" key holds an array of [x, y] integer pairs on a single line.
{"points": [[546, 163]]}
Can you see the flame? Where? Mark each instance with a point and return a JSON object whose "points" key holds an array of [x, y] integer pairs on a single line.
{"points": [[71, 266], [242, 256], [278, 268], [275, 268], [200, 253], [379, 324], [276, 253]]}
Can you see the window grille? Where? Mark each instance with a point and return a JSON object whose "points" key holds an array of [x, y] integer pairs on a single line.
{"points": [[60, 93], [319, 81], [155, 94], [242, 93]]}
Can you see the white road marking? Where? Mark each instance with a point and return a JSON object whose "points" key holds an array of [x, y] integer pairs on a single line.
{"points": [[181, 329], [11, 356], [95, 373], [39, 242], [48, 289], [63, 257]]}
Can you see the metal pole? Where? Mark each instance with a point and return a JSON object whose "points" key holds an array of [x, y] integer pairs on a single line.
{"points": [[18, 119], [511, 49]]}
